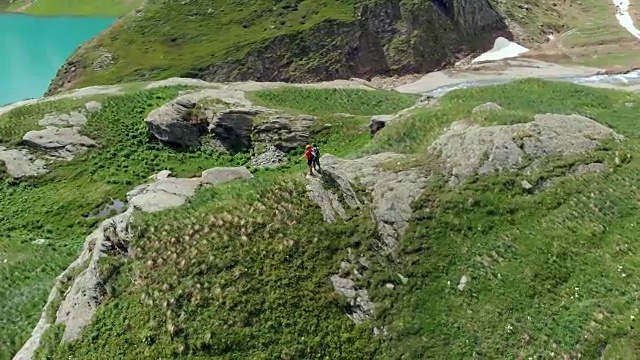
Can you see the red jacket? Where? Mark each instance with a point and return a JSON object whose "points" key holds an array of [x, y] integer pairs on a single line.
{"points": [[308, 154]]}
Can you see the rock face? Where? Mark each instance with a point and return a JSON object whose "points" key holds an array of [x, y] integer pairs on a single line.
{"points": [[82, 298], [390, 37], [20, 163], [231, 129], [60, 142], [175, 123], [384, 38], [466, 149], [285, 132]]}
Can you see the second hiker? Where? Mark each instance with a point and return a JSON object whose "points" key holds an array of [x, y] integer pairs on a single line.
{"points": [[315, 157]]}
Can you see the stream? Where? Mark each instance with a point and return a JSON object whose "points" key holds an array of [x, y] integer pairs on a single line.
{"points": [[630, 78]]}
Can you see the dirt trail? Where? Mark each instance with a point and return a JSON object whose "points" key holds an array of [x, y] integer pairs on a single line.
{"points": [[24, 7]]}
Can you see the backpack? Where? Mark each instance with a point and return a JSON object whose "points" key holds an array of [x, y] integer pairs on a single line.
{"points": [[315, 153]]}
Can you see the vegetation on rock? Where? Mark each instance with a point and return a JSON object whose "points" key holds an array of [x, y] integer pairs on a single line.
{"points": [[57, 206], [548, 271], [289, 40]]}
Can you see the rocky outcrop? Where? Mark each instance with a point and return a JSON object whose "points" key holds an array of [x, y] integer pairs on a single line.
{"points": [[389, 195], [230, 124], [74, 307], [467, 149], [58, 142], [21, 163], [382, 38], [391, 192], [179, 123]]}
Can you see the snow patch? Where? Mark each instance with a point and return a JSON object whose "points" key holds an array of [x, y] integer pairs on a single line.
{"points": [[502, 49], [625, 20]]}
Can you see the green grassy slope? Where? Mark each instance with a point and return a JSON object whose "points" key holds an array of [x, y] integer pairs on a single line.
{"points": [[551, 273], [71, 7], [173, 39], [157, 45], [55, 206]]}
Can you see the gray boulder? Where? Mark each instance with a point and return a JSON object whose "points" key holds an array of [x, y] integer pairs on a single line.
{"points": [[285, 132], [176, 123], [486, 107], [20, 163], [60, 142], [93, 106], [466, 149], [221, 175]]}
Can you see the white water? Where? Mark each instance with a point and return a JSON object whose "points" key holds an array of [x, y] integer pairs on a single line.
{"points": [[625, 20]]}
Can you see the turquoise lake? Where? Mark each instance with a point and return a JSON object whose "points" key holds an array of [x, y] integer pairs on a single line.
{"points": [[32, 49]]}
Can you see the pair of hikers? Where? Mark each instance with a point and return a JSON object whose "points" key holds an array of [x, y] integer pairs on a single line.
{"points": [[312, 153]]}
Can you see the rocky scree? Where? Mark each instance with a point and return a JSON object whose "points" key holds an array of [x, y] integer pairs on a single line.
{"points": [[75, 306]]}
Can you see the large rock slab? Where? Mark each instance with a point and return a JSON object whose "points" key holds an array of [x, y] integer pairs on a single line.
{"points": [[20, 163], [162, 194], [221, 175], [62, 142], [467, 149], [285, 132], [63, 120]]}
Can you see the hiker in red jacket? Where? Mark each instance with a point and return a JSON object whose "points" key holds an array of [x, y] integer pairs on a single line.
{"points": [[309, 155]]}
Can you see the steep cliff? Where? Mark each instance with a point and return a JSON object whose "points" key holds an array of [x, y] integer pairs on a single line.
{"points": [[296, 40]]}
